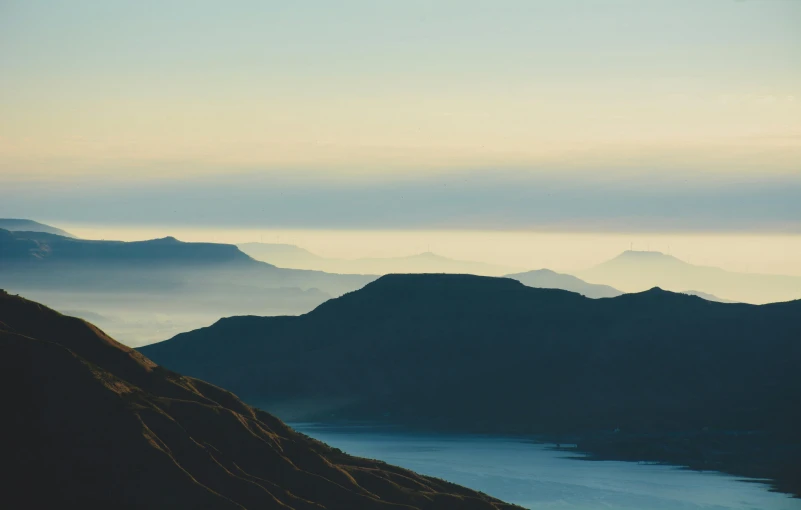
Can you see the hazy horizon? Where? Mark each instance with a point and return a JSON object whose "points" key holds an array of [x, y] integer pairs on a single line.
{"points": [[559, 251], [152, 90], [601, 116]]}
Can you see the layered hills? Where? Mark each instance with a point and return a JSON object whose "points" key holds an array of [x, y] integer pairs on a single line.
{"points": [[17, 224], [91, 423], [158, 287], [287, 255], [467, 353], [635, 271], [547, 279]]}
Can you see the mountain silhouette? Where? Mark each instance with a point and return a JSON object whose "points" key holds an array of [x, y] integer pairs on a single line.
{"points": [[56, 249], [97, 425], [707, 296], [158, 287], [635, 271], [478, 354], [38, 252], [15, 224], [287, 255], [547, 279]]}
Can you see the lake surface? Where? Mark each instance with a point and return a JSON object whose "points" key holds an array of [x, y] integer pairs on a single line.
{"points": [[538, 477]]}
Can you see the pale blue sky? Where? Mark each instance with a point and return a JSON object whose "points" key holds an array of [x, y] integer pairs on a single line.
{"points": [[144, 99]]}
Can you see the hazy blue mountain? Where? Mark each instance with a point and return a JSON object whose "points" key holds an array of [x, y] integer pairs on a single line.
{"points": [[708, 297], [158, 287], [20, 225], [287, 255], [41, 254], [97, 425], [635, 271], [547, 279], [477, 354]]}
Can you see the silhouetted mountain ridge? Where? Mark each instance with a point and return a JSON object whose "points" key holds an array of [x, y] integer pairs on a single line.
{"points": [[55, 249], [97, 425], [708, 296], [479, 354], [506, 322], [547, 279], [16, 224]]}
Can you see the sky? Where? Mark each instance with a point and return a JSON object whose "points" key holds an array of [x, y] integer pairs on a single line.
{"points": [[590, 116]]}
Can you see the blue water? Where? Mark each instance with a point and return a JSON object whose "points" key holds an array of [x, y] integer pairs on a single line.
{"points": [[537, 477]]}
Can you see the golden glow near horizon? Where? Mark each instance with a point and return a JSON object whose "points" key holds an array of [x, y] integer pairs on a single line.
{"points": [[127, 91], [757, 132], [330, 121]]}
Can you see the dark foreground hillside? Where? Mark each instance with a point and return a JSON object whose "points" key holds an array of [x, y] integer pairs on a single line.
{"points": [[89, 423], [680, 379]]}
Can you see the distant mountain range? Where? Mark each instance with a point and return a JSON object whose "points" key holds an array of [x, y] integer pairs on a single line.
{"points": [[158, 287], [44, 248], [39, 254], [94, 424], [708, 297], [20, 225], [547, 279], [629, 272], [287, 255], [635, 271], [467, 353]]}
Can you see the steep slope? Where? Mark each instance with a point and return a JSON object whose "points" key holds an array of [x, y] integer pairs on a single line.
{"points": [[15, 224], [547, 279], [465, 353], [635, 271], [94, 424]]}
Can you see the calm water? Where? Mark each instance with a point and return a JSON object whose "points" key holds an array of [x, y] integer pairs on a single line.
{"points": [[536, 477]]}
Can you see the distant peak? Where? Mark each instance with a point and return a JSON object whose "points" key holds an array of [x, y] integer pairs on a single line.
{"points": [[658, 292], [535, 272], [648, 253], [646, 256], [168, 239]]}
